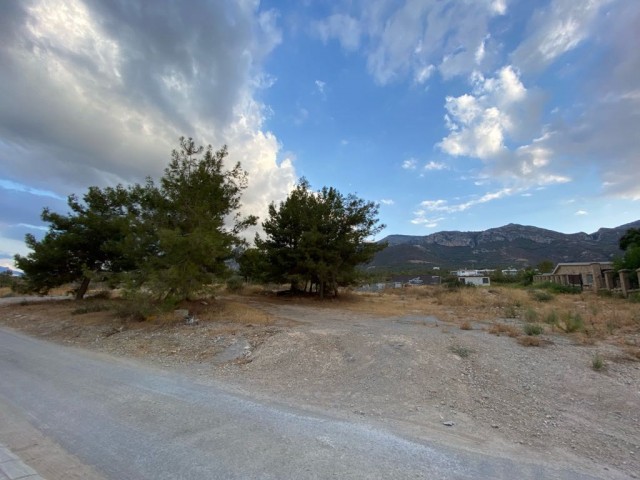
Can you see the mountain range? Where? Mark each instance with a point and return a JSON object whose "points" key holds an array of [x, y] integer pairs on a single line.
{"points": [[511, 245]]}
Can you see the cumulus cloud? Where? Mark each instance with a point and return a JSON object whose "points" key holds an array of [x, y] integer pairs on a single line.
{"points": [[387, 201], [495, 123], [599, 131], [97, 93]]}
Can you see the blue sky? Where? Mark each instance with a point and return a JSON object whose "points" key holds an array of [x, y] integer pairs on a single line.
{"points": [[453, 115]]}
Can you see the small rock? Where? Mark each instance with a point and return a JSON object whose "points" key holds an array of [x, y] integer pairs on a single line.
{"points": [[495, 426], [448, 423]]}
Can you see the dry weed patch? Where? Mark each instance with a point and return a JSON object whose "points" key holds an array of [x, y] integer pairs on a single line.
{"points": [[503, 329], [529, 341]]}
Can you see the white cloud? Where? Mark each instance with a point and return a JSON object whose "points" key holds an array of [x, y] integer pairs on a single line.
{"points": [[320, 86], [95, 94], [344, 28], [557, 28], [410, 164], [413, 39], [582, 212], [421, 218], [435, 166], [445, 207], [387, 201], [488, 124]]}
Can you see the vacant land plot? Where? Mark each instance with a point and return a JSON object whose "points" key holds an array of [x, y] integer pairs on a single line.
{"points": [[520, 372]]}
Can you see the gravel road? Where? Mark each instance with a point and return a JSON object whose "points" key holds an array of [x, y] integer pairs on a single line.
{"points": [[124, 419]]}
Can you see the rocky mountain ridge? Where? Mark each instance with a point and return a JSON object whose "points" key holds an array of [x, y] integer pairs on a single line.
{"points": [[509, 245]]}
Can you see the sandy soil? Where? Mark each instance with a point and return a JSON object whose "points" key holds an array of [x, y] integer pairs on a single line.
{"points": [[411, 371]]}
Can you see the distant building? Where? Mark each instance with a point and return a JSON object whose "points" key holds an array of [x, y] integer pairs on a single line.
{"points": [[479, 278], [591, 275], [409, 280], [475, 280], [510, 272]]}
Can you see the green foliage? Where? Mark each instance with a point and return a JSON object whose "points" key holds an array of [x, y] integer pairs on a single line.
{"points": [[551, 318], [630, 259], [558, 288], [597, 363], [630, 238], [526, 276], [319, 238], [254, 265], [87, 241], [546, 266], [571, 322], [530, 315], [541, 295], [189, 213], [532, 329], [172, 238], [462, 352], [235, 283], [90, 307], [7, 279]]}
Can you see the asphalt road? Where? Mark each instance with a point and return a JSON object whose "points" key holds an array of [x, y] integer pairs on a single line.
{"points": [[129, 421]]}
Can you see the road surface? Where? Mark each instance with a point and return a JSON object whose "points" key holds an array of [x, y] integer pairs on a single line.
{"points": [[129, 421]]}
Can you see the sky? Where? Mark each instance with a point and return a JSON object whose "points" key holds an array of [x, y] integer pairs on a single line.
{"points": [[450, 114]]}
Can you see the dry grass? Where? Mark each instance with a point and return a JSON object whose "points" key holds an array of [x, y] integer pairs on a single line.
{"points": [[585, 314], [466, 325], [6, 292], [528, 341], [503, 329]]}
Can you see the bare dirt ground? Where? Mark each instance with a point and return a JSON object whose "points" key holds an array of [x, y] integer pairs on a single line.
{"points": [[404, 361]]}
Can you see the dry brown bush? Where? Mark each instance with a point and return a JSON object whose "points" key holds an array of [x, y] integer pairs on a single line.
{"points": [[529, 341], [466, 325], [501, 328]]}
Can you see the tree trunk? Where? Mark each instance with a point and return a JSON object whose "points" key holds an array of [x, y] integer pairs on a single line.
{"points": [[82, 289]]}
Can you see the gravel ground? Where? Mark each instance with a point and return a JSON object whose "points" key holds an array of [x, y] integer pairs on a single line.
{"points": [[415, 374]]}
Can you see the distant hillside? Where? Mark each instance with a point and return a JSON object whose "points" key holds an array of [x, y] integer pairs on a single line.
{"points": [[5, 269], [510, 245]]}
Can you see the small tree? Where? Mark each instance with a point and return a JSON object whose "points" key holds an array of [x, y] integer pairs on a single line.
{"points": [[546, 266], [86, 241], [630, 238], [630, 243], [319, 238], [196, 221]]}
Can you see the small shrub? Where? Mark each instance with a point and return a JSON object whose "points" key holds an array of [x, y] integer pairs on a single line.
{"points": [[500, 328], [634, 298], [572, 322], [559, 288], [138, 307], [605, 293], [541, 295], [530, 315], [90, 308], [466, 325], [462, 352], [102, 295], [551, 318], [597, 363], [235, 284], [529, 341], [510, 311], [533, 329]]}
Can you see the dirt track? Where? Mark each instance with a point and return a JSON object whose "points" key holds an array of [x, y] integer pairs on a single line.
{"points": [[412, 373]]}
